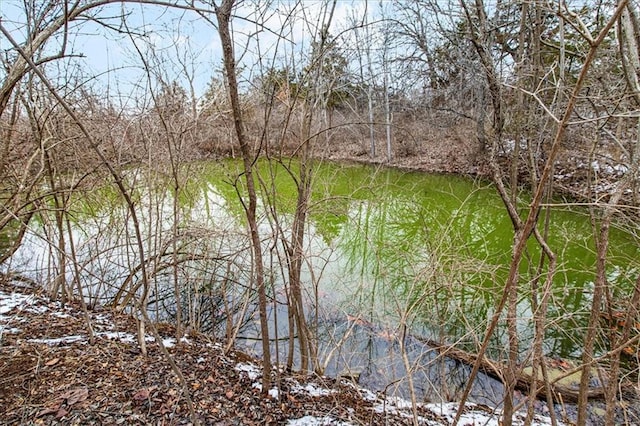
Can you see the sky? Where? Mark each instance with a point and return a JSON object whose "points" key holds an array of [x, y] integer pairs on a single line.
{"points": [[181, 44]]}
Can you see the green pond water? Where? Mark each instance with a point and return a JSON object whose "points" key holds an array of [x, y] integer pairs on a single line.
{"points": [[382, 246]]}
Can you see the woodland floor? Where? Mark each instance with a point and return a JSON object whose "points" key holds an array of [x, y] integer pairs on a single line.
{"points": [[51, 374]]}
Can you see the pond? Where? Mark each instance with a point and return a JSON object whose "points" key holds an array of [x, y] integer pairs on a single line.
{"points": [[383, 248]]}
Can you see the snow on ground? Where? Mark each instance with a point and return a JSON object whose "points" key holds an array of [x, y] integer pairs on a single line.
{"points": [[274, 393], [316, 421], [476, 416], [60, 341], [446, 411], [11, 301], [312, 389], [473, 415], [13, 304], [251, 370], [118, 335]]}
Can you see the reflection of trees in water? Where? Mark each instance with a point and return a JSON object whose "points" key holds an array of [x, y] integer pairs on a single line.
{"points": [[374, 354], [447, 249], [212, 296], [441, 247]]}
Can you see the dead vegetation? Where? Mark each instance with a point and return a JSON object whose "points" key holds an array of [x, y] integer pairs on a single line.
{"points": [[51, 374]]}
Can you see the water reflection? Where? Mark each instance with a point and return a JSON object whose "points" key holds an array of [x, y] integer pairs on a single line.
{"points": [[384, 248], [446, 244]]}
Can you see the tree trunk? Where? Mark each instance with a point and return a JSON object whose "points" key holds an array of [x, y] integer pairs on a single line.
{"points": [[223, 13]]}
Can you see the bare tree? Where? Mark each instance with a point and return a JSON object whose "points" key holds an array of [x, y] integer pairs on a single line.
{"points": [[477, 21], [223, 13], [25, 62]]}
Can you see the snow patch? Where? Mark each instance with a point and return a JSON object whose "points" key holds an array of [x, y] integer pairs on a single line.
{"points": [[311, 389], [274, 393], [104, 319], [367, 395], [251, 370], [618, 169], [10, 301], [621, 169], [168, 342], [473, 414], [480, 415], [118, 335], [399, 403], [60, 340], [316, 421], [400, 407]]}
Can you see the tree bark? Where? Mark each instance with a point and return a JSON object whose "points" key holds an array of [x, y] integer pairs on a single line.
{"points": [[223, 13]]}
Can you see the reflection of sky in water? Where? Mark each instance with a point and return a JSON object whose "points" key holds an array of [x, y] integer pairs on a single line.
{"points": [[438, 245], [104, 241]]}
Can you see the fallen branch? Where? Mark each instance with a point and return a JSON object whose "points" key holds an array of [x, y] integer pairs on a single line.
{"points": [[562, 392]]}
